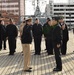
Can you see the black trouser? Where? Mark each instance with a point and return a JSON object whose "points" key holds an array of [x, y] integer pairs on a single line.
{"points": [[46, 43], [57, 57], [0, 44], [4, 43], [64, 47], [49, 46], [15, 43], [12, 45], [37, 44]]}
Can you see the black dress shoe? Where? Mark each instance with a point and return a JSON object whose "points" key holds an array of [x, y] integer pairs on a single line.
{"points": [[39, 54], [27, 70], [63, 54], [50, 53], [4, 48], [14, 51], [11, 54], [30, 67], [56, 69]]}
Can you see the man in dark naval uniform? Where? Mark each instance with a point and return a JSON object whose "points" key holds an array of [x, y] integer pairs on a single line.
{"points": [[37, 34], [0, 34], [57, 43], [47, 31], [11, 33], [65, 36], [4, 35]]}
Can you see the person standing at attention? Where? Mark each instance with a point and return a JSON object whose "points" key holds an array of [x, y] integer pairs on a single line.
{"points": [[56, 37], [0, 35], [26, 40], [47, 31], [65, 36], [4, 35], [11, 34], [37, 34]]}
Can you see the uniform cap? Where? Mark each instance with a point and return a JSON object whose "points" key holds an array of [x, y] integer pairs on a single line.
{"points": [[55, 18], [48, 19], [61, 17], [28, 19]]}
